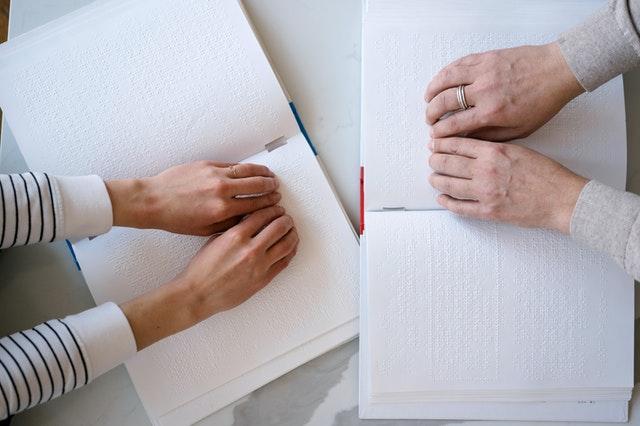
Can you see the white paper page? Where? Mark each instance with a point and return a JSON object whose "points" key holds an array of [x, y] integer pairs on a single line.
{"points": [[131, 87], [601, 411], [477, 306], [317, 293], [406, 43]]}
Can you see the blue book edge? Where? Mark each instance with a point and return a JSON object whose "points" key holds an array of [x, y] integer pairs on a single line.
{"points": [[302, 129], [73, 254]]}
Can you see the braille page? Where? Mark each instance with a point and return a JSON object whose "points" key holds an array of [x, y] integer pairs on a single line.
{"points": [[594, 411], [464, 310], [130, 87], [314, 296], [406, 43]]}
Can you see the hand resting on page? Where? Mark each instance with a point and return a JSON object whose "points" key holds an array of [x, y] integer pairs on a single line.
{"points": [[257, 240], [511, 93], [503, 182], [227, 271], [200, 198]]}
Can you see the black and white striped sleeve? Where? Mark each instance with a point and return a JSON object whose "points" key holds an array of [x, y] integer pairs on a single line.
{"points": [[61, 355], [58, 356], [37, 207]]}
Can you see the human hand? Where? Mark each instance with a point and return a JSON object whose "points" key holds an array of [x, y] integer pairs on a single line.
{"points": [[503, 182], [511, 93], [198, 198], [227, 271]]}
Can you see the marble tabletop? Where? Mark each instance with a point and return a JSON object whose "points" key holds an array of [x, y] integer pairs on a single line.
{"points": [[315, 47]]}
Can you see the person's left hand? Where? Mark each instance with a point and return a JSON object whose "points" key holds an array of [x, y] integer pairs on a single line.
{"points": [[503, 182], [511, 93], [200, 198]]}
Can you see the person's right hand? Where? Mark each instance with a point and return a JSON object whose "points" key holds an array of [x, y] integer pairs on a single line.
{"points": [[200, 198], [227, 271], [511, 92]]}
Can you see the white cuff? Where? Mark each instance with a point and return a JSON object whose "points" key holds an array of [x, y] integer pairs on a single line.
{"points": [[105, 335], [86, 206]]}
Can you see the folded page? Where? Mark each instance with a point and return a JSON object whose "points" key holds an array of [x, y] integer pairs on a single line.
{"points": [[406, 43]]}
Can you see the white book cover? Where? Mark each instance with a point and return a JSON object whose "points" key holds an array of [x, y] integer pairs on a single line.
{"points": [[468, 319], [126, 88]]}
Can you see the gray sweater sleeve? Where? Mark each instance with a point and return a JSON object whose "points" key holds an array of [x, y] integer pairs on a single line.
{"points": [[608, 219], [605, 45]]}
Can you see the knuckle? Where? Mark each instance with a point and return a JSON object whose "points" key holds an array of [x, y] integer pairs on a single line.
{"points": [[219, 186], [236, 236], [495, 150], [251, 254], [218, 209], [431, 163]]}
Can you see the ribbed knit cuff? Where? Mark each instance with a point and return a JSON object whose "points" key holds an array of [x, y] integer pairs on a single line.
{"points": [[105, 336], [605, 219], [603, 46], [86, 206]]}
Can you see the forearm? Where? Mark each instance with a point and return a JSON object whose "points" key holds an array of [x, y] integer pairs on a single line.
{"points": [[59, 356], [37, 207], [607, 219], [604, 46], [161, 313]]}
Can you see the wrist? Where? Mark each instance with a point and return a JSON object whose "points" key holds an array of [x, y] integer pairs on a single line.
{"points": [[568, 85], [130, 202], [566, 203], [159, 313]]}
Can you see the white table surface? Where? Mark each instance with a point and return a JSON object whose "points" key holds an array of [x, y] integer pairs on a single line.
{"points": [[315, 47]]}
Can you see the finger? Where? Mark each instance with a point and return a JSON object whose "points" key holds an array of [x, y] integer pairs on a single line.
{"points": [[223, 226], [450, 76], [283, 247], [444, 102], [243, 206], [274, 231], [451, 165], [457, 146], [243, 170], [459, 123], [461, 207], [279, 266], [253, 185], [253, 223], [462, 189], [498, 134], [447, 101]]}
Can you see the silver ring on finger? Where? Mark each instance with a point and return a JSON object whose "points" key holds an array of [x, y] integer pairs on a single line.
{"points": [[462, 99]]}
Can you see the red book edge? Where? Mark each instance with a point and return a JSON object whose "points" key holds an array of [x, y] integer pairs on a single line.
{"points": [[361, 200]]}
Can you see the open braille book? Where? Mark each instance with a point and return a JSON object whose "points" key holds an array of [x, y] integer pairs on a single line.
{"points": [[464, 319], [125, 88]]}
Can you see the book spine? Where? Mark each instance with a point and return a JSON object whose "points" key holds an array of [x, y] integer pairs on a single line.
{"points": [[301, 126], [361, 200]]}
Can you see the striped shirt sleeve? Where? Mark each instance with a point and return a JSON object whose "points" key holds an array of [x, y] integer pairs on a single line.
{"points": [[61, 355], [37, 207]]}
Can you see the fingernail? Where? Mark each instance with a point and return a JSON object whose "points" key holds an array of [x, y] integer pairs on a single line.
{"points": [[431, 132], [430, 146], [277, 196], [280, 210]]}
